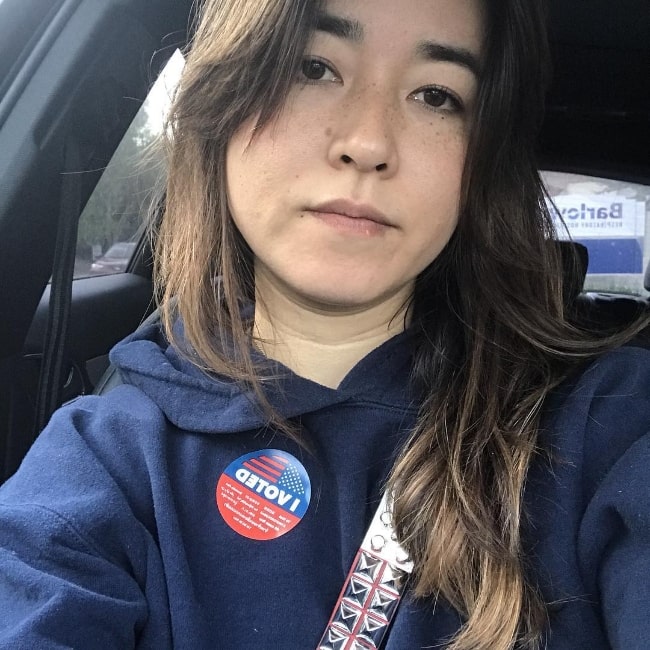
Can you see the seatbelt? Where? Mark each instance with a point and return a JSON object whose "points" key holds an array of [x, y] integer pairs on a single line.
{"points": [[54, 348], [373, 589]]}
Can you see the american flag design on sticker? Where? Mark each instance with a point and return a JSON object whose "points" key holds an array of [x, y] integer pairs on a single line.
{"points": [[264, 494], [277, 469]]}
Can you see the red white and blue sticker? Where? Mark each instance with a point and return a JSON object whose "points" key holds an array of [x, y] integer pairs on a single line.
{"points": [[264, 495]]}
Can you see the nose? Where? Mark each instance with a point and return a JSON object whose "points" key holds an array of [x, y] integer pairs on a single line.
{"points": [[363, 135]]}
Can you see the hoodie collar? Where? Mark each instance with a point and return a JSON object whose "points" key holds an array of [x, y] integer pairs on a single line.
{"points": [[197, 401]]}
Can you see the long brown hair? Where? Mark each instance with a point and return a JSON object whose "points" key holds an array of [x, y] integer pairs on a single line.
{"points": [[242, 62], [495, 337]]}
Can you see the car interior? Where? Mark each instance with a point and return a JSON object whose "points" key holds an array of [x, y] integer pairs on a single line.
{"points": [[74, 75]]}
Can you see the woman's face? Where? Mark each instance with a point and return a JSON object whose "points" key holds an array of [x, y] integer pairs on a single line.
{"points": [[354, 188]]}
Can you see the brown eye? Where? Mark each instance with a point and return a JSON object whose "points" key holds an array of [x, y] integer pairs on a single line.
{"points": [[438, 98], [435, 97], [315, 70]]}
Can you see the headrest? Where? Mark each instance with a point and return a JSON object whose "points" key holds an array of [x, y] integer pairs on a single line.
{"points": [[575, 260]]}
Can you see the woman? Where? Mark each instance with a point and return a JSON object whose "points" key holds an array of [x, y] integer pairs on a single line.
{"points": [[358, 294]]}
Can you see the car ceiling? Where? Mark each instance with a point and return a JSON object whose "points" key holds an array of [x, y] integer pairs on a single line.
{"points": [[598, 108]]}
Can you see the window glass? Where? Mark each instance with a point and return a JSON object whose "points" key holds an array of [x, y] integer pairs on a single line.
{"points": [[611, 219], [112, 222]]}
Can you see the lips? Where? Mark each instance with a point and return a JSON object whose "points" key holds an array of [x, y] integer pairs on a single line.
{"points": [[353, 210]]}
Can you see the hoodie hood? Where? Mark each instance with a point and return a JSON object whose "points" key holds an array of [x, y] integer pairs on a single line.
{"points": [[197, 401]]}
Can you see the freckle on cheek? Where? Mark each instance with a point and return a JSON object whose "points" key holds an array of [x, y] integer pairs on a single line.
{"points": [[328, 131]]}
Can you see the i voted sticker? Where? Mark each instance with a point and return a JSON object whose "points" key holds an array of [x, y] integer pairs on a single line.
{"points": [[264, 495]]}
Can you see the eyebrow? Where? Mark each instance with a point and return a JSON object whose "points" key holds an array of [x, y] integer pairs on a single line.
{"points": [[451, 54], [345, 28], [352, 30]]}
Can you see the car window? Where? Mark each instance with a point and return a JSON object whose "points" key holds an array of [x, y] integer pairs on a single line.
{"points": [[113, 220], [611, 219]]}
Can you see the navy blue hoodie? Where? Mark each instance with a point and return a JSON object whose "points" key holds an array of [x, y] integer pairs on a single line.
{"points": [[167, 514]]}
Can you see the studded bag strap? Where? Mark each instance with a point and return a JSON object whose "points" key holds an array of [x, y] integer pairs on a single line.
{"points": [[372, 590]]}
